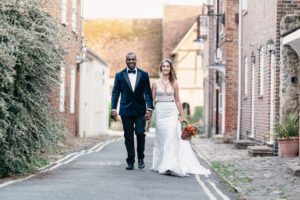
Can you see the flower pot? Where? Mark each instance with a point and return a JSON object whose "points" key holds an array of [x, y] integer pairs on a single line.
{"points": [[289, 146]]}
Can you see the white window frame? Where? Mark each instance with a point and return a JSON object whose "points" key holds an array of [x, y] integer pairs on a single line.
{"points": [[64, 12], [62, 90], [74, 15], [73, 89], [261, 68], [246, 76], [221, 102]]}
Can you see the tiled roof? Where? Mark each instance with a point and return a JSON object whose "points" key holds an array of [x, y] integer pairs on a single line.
{"points": [[114, 38], [177, 20]]}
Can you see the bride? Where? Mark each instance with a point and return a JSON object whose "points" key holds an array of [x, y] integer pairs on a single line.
{"points": [[171, 154]]}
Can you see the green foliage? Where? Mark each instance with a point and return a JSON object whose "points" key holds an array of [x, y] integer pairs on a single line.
{"points": [[198, 114], [288, 126], [30, 60]]}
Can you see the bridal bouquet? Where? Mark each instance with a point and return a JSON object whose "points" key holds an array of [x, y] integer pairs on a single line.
{"points": [[189, 130]]}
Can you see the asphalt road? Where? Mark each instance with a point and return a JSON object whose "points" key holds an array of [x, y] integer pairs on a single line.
{"points": [[99, 173]]}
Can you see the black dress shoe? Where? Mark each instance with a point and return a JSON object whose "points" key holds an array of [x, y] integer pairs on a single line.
{"points": [[141, 164], [168, 173], [130, 167]]}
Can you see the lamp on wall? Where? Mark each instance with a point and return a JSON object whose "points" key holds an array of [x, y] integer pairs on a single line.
{"points": [[271, 46], [197, 42]]}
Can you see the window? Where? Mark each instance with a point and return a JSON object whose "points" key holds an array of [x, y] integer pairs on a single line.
{"points": [[261, 71], [246, 76], [204, 25], [62, 90], [64, 11], [74, 14], [73, 84], [221, 102], [244, 6]]}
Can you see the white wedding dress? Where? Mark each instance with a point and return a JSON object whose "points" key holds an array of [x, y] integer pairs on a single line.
{"points": [[170, 151]]}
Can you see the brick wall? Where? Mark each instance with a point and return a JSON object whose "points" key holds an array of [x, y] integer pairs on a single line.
{"points": [[260, 23], [228, 43], [73, 47]]}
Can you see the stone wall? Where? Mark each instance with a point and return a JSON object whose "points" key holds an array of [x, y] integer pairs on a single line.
{"points": [[289, 64]]}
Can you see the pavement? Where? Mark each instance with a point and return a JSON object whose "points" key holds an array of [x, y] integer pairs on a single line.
{"points": [[257, 178], [99, 173]]}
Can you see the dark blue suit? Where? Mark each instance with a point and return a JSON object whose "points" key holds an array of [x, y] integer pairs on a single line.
{"points": [[133, 106]]}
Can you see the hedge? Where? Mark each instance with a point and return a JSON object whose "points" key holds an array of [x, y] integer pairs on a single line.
{"points": [[30, 61]]}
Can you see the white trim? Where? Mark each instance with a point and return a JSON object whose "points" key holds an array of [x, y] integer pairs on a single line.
{"points": [[73, 87], [253, 101], [244, 6], [62, 90], [240, 71], [224, 104], [293, 39], [64, 12], [246, 76], [261, 71], [185, 37], [272, 103], [74, 15]]}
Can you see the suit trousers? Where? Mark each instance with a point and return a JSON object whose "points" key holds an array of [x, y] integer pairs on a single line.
{"points": [[134, 124]]}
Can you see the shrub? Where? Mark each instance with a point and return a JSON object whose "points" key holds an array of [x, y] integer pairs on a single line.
{"points": [[288, 126], [198, 114], [30, 60]]}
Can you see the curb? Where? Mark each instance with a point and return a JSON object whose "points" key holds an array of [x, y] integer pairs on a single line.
{"points": [[236, 189]]}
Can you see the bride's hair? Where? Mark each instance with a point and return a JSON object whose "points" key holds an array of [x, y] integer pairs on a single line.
{"points": [[172, 74]]}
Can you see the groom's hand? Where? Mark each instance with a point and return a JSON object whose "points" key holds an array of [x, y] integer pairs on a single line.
{"points": [[114, 115], [148, 115]]}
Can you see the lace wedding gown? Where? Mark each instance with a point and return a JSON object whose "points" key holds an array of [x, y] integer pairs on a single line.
{"points": [[170, 151]]}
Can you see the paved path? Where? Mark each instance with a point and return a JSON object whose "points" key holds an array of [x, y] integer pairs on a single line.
{"points": [[99, 173], [256, 178]]}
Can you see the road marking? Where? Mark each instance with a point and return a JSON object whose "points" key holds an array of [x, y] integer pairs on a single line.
{"points": [[218, 191], [69, 158], [206, 176], [206, 190], [201, 155], [100, 163], [15, 181]]}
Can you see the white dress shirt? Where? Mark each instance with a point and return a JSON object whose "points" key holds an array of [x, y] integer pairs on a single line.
{"points": [[132, 78]]}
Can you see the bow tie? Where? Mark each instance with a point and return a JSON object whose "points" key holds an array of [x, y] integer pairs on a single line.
{"points": [[131, 71]]}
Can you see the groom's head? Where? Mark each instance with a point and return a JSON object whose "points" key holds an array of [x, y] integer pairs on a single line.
{"points": [[131, 60]]}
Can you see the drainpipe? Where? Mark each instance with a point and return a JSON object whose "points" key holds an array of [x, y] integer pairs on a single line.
{"points": [[240, 72]]}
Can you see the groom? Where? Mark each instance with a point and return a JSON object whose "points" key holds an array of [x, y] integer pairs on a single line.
{"points": [[134, 86]]}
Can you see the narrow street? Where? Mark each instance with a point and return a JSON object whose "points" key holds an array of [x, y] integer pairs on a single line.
{"points": [[99, 173]]}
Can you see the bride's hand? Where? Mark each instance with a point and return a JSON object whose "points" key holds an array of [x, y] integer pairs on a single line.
{"points": [[182, 119]]}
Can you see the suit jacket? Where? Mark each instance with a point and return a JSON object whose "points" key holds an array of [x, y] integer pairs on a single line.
{"points": [[133, 103]]}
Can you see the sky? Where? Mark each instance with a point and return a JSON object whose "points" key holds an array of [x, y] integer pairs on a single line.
{"points": [[94, 9]]}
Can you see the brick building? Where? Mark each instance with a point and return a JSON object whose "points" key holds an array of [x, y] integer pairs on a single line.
{"points": [[221, 82], [69, 14], [267, 91]]}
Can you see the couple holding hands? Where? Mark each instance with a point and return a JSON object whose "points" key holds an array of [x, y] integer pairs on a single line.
{"points": [[171, 154]]}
